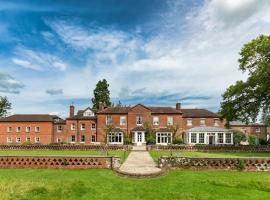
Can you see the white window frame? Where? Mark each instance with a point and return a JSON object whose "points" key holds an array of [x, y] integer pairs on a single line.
{"points": [[193, 138], [28, 129], [9, 139], [37, 129], [72, 127], [83, 127], [216, 122], [170, 120], [82, 141], [228, 138], [37, 139], [9, 129], [163, 138], [95, 126], [59, 128], [189, 122], [95, 140], [114, 138], [123, 120], [28, 139], [257, 129], [109, 120], [139, 120], [220, 138], [201, 138], [71, 139], [155, 120], [202, 120], [18, 129], [18, 139], [88, 113]]}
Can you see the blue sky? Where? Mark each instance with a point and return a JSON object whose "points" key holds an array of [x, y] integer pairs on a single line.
{"points": [[154, 52]]}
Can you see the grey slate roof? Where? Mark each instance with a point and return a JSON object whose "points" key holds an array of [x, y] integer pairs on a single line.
{"points": [[138, 128], [29, 118], [193, 113], [207, 129], [239, 123]]}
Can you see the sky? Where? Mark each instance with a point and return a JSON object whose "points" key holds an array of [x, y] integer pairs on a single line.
{"points": [[158, 52]]}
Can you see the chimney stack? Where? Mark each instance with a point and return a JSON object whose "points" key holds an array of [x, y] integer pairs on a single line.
{"points": [[100, 106], [71, 110], [178, 106]]}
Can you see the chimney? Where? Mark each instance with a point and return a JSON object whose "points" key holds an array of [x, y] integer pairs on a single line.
{"points": [[100, 106], [178, 106], [71, 110]]}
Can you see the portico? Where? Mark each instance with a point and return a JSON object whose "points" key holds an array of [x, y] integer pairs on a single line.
{"points": [[138, 136]]}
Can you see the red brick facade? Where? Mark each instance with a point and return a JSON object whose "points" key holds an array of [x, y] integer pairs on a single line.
{"points": [[87, 127]]}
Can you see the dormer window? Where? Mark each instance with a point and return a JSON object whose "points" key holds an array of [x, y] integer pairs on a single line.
{"points": [[88, 113], [139, 120]]}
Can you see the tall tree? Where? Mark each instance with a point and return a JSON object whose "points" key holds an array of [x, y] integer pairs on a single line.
{"points": [[245, 100], [101, 94], [5, 105]]}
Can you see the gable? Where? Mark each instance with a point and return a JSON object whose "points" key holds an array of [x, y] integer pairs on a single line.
{"points": [[88, 113], [139, 108]]}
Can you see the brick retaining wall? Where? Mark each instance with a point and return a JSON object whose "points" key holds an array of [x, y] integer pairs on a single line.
{"points": [[66, 162], [65, 147], [216, 148], [249, 164]]}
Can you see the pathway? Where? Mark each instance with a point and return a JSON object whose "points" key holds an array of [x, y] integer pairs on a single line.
{"points": [[139, 162]]}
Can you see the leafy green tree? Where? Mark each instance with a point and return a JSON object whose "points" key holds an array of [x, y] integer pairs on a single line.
{"points": [[238, 136], [5, 105], [245, 100], [101, 94]]}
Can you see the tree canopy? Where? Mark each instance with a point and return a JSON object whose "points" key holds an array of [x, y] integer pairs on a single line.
{"points": [[246, 100], [5, 105], [101, 94]]}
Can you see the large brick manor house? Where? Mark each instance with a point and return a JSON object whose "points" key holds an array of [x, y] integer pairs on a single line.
{"points": [[112, 125]]}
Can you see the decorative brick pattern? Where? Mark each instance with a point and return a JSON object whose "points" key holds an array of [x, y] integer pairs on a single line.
{"points": [[249, 164], [65, 147], [59, 162], [217, 148]]}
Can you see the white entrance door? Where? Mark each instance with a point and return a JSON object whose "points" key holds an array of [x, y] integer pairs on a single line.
{"points": [[139, 138]]}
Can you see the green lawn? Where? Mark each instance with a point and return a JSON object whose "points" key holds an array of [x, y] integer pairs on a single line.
{"points": [[120, 153], [39, 184], [156, 154]]}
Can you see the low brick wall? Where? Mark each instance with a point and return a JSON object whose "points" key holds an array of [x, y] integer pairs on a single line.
{"points": [[249, 164], [65, 147], [66, 162], [208, 148]]}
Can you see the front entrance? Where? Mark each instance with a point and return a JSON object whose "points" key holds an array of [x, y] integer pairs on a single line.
{"points": [[138, 138], [211, 139]]}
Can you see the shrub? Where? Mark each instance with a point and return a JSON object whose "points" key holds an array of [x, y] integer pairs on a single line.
{"points": [[241, 165], [178, 141], [127, 140], [200, 145], [150, 138], [252, 140], [263, 141], [27, 143], [238, 136]]}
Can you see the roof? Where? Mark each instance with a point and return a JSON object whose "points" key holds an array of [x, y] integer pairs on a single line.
{"points": [[239, 123], [154, 110], [199, 113], [138, 128], [207, 129], [29, 118], [80, 116]]}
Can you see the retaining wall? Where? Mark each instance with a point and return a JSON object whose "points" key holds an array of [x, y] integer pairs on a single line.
{"points": [[249, 164], [208, 148], [68, 162]]}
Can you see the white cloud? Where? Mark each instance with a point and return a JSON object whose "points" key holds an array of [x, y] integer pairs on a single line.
{"points": [[9, 84], [39, 61]]}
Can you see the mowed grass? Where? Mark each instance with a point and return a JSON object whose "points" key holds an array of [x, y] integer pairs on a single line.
{"points": [[119, 153], [39, 184], [156, 154]]}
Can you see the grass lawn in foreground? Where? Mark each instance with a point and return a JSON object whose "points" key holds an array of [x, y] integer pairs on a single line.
{"points": [[39, 184], [120, 153], [156, 154]]}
